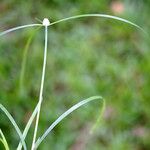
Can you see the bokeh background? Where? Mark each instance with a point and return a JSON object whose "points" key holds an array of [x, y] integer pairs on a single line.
{"points": [[86, 57]]}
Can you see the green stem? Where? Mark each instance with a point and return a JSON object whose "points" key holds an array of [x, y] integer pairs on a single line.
{"points": [[41, 89]]}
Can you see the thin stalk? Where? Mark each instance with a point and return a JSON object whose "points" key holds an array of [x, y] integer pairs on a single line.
{"points": [[41, 89]]}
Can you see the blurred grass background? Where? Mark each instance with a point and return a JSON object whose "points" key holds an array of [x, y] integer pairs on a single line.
{"points": [[86, 57]]}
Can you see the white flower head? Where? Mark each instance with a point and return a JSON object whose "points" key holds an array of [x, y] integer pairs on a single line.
{"points": [[46, 22]]}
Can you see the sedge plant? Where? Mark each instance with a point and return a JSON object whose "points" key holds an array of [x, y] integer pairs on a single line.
{"points": [[46, 24]]}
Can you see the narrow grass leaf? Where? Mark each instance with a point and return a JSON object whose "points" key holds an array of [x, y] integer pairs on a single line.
{"points": [[64, 115], [3, 140], [28, 125], [98, 15], [99, 119], [14, 124], [19, 27]]}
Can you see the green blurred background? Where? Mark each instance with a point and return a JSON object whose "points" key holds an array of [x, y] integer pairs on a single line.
{"points": [[86, 57]]}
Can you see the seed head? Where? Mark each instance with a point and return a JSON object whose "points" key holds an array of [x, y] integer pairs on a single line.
{"points": [[46, 22]]}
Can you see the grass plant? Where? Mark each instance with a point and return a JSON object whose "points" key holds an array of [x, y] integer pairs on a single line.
{"points": [[46, 24]]}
